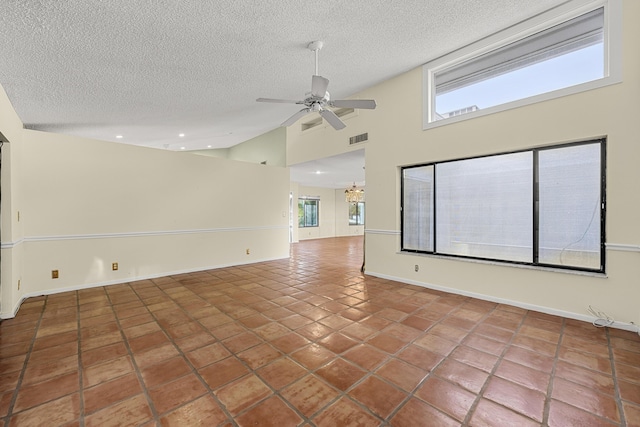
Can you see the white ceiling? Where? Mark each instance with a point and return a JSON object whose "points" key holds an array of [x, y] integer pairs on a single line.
{"points": [[340, 171], [151, 69]]}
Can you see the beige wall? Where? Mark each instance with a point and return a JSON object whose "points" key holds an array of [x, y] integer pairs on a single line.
{"points": [[269, 147], [396, 139], [85, 204]]}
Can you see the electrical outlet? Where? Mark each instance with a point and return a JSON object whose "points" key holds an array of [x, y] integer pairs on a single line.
{"points": [[114, 266], [18, 284], [54, 274], [417, 267], [248, 251]]}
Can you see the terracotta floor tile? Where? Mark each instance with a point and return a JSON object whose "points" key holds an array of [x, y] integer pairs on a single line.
{"points": [[418, 323], [101, 341], [281, 372], [586, 377], [631, 414], [448, 398], [45, 371], [415, 412], [435, 344], [628, 357], [290, 342], [9, 381], [562, 415], [296, 321], [586, 360], [586, 398], [523, 375], [515, 397], [344, 412], [366, 356], [376, 322], [309, 394], [145, 342], [164, 371], [377, 395], [420, 357], [30, 396], [133, 411], [387, 343], [314, 331], [106, 371], [313, 356], [272, 331], [242, 342], [529, 358], [541, 334], [340, 374], [195, 341], [402, 374], [207, 355], [259, 355], [448, 332], [56, 412], [484, 344], [12, 364], [272, 412], [337, 342], [465, 376], [539, 346], [600, 349], [490, 414], [54, 340], [202, 411], [243, 393], [223, 372], [630, 391], [170, 395], [5, 403], [110, 392]]}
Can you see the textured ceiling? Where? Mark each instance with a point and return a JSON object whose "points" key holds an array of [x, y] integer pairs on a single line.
{"points": [[150, 70]]}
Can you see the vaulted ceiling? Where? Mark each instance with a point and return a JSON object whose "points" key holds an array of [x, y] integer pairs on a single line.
{"points": [[150, 70]]}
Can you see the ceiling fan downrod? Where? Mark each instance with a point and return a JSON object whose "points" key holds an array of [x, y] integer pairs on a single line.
{"points": [[315, 47]]}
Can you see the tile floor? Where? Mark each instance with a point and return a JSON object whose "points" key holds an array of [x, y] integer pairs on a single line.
{"points": [[306, 341]]}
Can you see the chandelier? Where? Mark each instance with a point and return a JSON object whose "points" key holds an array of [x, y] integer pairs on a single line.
{"points": [[354, 194]]}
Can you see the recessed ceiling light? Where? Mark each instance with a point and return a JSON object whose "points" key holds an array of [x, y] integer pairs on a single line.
{"points": [[318, 172], [182, 148], [208, 146], [181, 135], [119, 136]]}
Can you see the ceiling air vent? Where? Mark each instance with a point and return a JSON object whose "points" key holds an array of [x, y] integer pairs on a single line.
{"points": [[359, 138]]}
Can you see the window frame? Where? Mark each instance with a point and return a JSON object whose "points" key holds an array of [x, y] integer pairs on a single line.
{"points": [[535, 213], [304, 200], [612, 33], [357, 213]]}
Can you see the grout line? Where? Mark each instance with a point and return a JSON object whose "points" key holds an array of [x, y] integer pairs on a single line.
{"points": [[24, 365], [616, 385], [556, 356]]}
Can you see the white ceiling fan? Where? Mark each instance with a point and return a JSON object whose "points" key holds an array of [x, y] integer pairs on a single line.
{"points": [[318, 99]]}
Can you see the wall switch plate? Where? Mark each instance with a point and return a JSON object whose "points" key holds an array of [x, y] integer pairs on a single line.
{"points": [[54, 274], [114, 266]]}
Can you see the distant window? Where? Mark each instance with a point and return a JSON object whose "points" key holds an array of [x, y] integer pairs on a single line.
{"points": [[541, 207], [308, 212], [561, 56], [356, 213]]}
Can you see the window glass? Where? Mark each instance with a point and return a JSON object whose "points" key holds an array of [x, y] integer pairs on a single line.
{"points": [[417, 202], [561, 56], [540, 207], [308, 213], [356, 213], [484, 207], [570, 206]]}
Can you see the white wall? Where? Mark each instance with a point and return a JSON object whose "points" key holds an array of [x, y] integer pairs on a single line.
{"points": [[85, 204], [396, 139]]}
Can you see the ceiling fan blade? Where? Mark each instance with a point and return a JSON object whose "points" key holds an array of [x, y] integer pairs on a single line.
{"points": [[280, 101], [319, 86], [291, 120], [367, 104], [333, 120]]}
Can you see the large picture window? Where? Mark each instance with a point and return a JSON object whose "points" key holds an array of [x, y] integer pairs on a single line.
{"points": [[541, 207], [308, 212]]}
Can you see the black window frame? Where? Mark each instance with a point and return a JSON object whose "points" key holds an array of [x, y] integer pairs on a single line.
{"points": [[535, 259]]}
